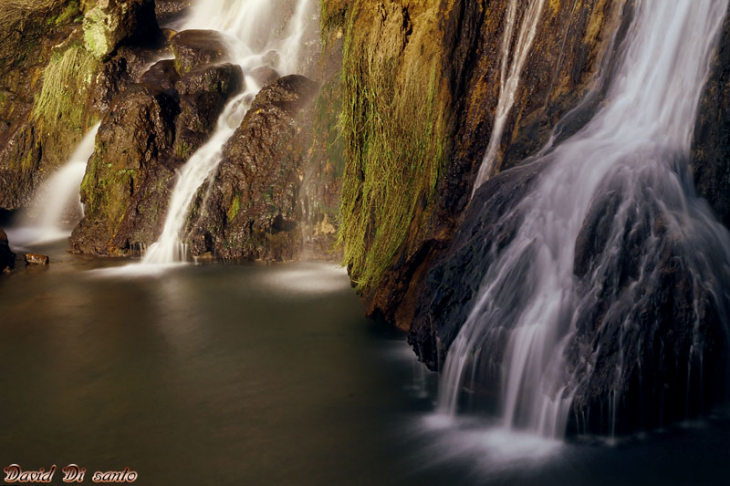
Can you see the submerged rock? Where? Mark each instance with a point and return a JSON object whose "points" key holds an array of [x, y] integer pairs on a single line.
{"points": [[250, 209], [36, 259], [7, 257]]}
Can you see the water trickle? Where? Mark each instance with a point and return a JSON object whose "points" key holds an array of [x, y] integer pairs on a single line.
{"points": [[635, 149], [57, 197], [509, 78]]}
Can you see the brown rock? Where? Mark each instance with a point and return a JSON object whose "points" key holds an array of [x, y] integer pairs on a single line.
{"points": [[36, 259], [251, 212], [195, 48]]}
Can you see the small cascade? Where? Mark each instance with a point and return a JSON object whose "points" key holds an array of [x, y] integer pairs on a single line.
{"points": [[629, 161], [253, 43], [58, 197], [510, 74]]}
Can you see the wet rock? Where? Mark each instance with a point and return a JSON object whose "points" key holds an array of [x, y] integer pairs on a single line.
{"points": [[203, 92], [112, 22], [648, 341], [171, 10], [53, 88], [711, 143], [457, 271], [194, 48], [434, 70], [264, 75], [162, 73], [126, 187], [250, 211], [151, 129], [36, 259], [7, 257]]}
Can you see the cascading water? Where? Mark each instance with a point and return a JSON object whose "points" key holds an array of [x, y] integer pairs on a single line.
{"points": [[59, 195], [253, 43], [633, 152], [509, 79]]}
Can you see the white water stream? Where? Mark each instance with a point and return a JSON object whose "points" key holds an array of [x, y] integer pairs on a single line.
{"points": [[58, 196], [638, 138], [509, 79]]}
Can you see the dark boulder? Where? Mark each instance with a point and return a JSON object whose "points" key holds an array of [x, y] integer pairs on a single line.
{"points": [[162, 73], [7, 257], [195, 48], [203, 92], [127, 181], [251, 209]]}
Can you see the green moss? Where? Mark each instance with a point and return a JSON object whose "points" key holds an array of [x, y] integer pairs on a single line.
{"points": [[182, 151], [66, 79], [395, 142], [235, 208], [70, 13]]}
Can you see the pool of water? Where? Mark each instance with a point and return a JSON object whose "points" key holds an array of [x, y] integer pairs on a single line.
{"points": [[265, 374]]}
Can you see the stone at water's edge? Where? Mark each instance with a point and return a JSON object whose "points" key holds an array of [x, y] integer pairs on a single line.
{"points": [[251, 209], [36, 259], [7, 257]]}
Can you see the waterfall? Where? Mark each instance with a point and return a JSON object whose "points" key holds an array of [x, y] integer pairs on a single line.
{"points": [[249, 27], [57, 197], [636, 148], [509, 78]]}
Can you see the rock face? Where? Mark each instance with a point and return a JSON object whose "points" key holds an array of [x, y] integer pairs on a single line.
{"points": [[54, 86], [649, 341], [250, 210], [112, 22], [7, 257], [150, 130], [422, 86], [711, 147]]}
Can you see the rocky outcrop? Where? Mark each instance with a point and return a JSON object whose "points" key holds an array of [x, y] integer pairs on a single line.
{"points": [[126, 180], [711, 146], [7, 257], [422, 85], [111, 22], [250, 209], [149, 132], [55, 82]]}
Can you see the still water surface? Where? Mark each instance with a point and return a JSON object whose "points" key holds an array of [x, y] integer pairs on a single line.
{"points": [[264, 375]]}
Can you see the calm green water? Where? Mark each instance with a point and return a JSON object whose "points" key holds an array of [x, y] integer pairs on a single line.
{"points": [[263, 375]]}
